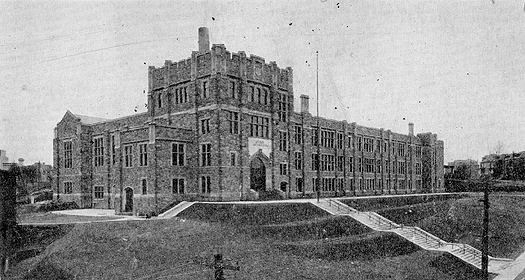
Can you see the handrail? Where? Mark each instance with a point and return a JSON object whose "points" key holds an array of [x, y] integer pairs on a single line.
{"points": [[373, 216]]}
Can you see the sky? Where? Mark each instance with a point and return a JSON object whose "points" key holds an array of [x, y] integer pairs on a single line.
{"points": [[454, 68]]}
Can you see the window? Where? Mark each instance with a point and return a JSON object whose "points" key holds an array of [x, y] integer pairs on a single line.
{"points": [[177, 185], [327, 162], [360, 164], [128, 156], [68, 154], [259, 96], [259, 126], [99, 192], [340, 140], [144, 186], [159, 99], [68, 187], [315, 136], [233, 158], [298, 160], [181, 95], [340, 163], [378, 166], [299, 184], [205, 126], [327, 138], [315, 162], [401, 149], [265, 97], [351, 164], [369, 145], [143, 155], [178, 157], [204, 89], [298, 134], [369, 165], [98, 151], [205, 184], [418, 168], [233, 122], [251, 97], [385, 147], [283, 141], [233, 90], [113, 150], [378, 145], [418, 151], [283, 169], [283, 107], [205, 154], [359, 143], [349, 141]]}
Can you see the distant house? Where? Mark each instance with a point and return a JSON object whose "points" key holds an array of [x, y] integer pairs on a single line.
{"points": [[470, 167], [509, 166]]}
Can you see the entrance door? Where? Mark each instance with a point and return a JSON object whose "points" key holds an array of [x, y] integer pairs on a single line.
{"points": [[257, 175], [128, 205]]}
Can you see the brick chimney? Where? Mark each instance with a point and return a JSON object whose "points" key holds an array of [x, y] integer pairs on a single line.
{"points": [[304, 103], [204, 39]]}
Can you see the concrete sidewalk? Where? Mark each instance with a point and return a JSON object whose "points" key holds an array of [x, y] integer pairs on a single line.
{"points": [[515, 271]]}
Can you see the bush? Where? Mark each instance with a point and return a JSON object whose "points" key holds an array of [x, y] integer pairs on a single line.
{"points": [[58, 206]]}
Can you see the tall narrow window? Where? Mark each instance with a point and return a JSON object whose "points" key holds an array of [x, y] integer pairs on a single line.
{"points": [[265, 97], [178, 185], [233, 90], [160, 100], [143, 155], [283, 141], [340, 140], [205, 184], [298, 134], [233, 158], [299, 184], [283, 107], [283, 169], [340, 163], [113, 150], [99, 192], [298, 160], [251, 97], [98, 151], [128, 156], [204, 89], [233, 122], [205, 154], [68, 187], [205, 126], [178, 157], [144, 186], [68, 154], [315, 162]]}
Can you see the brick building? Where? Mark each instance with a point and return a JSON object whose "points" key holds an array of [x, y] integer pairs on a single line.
{"points": [[220, 126]]}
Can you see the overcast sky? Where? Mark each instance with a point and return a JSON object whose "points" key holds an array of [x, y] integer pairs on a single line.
{"points": [[455, 68]]}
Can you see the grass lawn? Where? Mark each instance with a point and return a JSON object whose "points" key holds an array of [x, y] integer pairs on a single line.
{"points": [[277, 246], [461, 220]]}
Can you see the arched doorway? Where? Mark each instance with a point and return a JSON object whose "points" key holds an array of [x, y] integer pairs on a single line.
{"points": [[257, 175], [128, 203]]}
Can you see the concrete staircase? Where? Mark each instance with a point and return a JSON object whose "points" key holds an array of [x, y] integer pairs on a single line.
{"points": [[415, 235], [175, 210]]}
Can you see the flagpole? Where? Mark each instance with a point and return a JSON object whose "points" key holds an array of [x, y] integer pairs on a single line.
{"points": [[318, 185]]}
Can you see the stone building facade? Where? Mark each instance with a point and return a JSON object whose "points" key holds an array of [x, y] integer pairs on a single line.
{"points": [[220, 126]]}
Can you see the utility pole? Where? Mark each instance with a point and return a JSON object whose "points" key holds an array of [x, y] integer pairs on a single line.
{"points": [[485, 238]]}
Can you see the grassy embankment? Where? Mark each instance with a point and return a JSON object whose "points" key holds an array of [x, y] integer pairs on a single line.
{"points": [[285, 241], [461, 220]]}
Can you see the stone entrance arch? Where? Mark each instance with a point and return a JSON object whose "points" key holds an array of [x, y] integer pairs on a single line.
{"points": [[128, 200], [260, 172]]}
